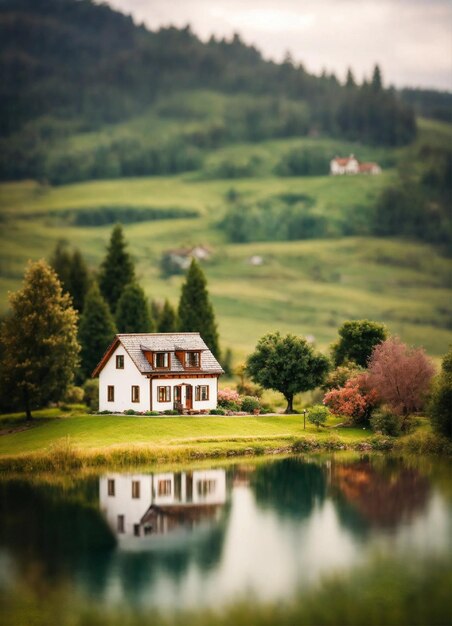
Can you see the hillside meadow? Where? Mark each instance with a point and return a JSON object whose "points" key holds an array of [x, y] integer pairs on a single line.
{"points": [[307, 287]]}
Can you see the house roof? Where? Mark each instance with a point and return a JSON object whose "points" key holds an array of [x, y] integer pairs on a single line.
{"points": [[344, 160], [368, 167], [136, 344]]}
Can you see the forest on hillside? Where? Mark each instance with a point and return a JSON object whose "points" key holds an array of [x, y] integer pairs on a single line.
{"points": [[70, 66]]}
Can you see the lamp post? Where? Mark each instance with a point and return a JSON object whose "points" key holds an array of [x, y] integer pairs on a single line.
{"points": [[305, 412]]}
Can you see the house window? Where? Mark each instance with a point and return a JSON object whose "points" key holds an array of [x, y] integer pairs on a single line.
{"points": [[164, 394], [177, 394], [121, 524], [135, 393], [111, 487], [164, 488], [136, 530], [162, 360], [119, 361], [192, 359], [135, 488], [110, 393], [206, 486], [202, 393]]}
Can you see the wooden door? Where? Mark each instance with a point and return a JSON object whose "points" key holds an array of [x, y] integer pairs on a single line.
{"points": [[189, 396]]}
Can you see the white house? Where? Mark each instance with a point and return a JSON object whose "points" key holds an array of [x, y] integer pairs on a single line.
{"points": [[350, 165], [145, 505], [157, 372]]}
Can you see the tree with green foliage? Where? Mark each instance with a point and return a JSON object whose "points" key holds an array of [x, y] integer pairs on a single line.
{"points": [[357, 339], [195, 309], [167, 321], [96, 331], [288, 365], [40, 352], [341, 375], [132, 311], [61, 262], [318, 415], [72, 273], [440, 406], [79, 279], [117, 269]]}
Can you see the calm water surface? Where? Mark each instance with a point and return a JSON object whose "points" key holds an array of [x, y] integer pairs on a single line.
{"points": [[205, 537]]}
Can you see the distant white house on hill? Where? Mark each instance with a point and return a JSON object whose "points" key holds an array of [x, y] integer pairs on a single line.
{"points": [[350, 165], [157, 372]]}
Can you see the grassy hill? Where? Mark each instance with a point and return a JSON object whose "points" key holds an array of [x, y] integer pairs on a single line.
{"points": [[306, 287]]}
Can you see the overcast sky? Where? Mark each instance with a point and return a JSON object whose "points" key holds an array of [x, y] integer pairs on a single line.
{"points": [[410, 39]]}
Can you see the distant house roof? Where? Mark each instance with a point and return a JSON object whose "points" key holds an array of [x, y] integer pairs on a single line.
{"points": [[343, 161], [368, 167], [136, 344]]}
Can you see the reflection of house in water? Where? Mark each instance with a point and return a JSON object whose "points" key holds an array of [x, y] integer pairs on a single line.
{"points": [[144, 505]]}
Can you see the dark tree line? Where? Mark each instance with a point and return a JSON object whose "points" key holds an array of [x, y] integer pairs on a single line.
{"points": [[69, 66]]}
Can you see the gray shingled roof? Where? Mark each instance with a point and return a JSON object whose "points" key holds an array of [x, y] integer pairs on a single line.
{"points": [[168, 342]]}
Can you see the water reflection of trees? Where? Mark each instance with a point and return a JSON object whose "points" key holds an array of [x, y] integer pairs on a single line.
{"points": [[292, 487], [385, 495]]}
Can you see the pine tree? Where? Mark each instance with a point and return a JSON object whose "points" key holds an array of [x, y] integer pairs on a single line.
{"points": [[350, 82], [61, 262], [96, 331], [40, 352], [132, 311], [117, 269], [78, 280], [167, 322], [377, 83], [195, 310]]}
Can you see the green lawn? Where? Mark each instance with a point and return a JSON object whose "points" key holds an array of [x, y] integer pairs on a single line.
{"points": [[101, 431], [306, 287]]}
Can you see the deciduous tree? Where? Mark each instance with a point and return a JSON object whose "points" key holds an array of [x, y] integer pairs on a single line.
{"points": [[132, 311], [440, 407], [287, 364], [96, 331], [195, 309], [400, 375], [354, 400], [117, 269], [357, 339], [39, 340]]}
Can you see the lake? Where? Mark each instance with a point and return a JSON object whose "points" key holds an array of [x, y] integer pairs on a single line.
{"points": [[204, 536]]}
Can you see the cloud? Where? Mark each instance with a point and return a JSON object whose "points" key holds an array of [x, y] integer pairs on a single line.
{"points": [[410, 39]]}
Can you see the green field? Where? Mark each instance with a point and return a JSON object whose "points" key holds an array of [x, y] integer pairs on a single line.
{"points": [[306, 287], [87, 432]]}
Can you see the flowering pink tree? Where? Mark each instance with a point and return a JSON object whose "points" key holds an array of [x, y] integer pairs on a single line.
{"points": [[354, 400], [400, 375]]}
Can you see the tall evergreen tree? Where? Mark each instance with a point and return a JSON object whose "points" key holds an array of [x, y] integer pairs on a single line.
{"points": [[78, 280], [61, 262], [96, 331], [167, 322], [350, 80], [377, 82], [40, 352], [132, 311], [195, 310], [117, 269]]}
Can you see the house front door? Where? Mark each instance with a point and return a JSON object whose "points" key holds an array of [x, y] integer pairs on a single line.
{"points": [[189, 397]]}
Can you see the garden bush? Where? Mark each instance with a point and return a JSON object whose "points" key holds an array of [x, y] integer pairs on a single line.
{"points": [[217, 412], [229, 399], [385, 423], [91, 389], [250, 403], [74, 395], [318, 414], [171, 412], [130, 412], [151, 413]]}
